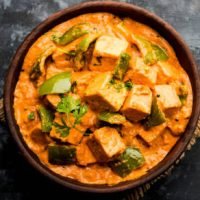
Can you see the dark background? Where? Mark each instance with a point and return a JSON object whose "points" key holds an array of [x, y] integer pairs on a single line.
{"points": [[18, 180]]}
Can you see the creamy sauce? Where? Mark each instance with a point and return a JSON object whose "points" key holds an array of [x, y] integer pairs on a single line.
{"points": [[27, 99]]}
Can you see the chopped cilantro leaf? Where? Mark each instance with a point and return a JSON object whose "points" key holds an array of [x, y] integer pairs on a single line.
{"points": [[31, 116], [71, 105], [68, 104], [62, 129], [128, 85], [78, 113]]}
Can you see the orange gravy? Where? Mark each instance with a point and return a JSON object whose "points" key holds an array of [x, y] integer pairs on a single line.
{"points": [[27, 99]]}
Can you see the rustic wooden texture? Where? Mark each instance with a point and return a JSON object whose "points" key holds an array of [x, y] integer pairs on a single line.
{"points": [[193, 43]]}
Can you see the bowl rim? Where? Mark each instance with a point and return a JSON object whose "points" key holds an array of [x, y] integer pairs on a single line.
{"points": [[29, 155]]}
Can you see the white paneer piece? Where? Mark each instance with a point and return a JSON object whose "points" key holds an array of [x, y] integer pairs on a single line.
{"points": [[144, 74], [84, 154], [75, 133], [166, 72], [150, 135], [177, 124], [101, 94], [105, 143], [167, 69], [166, 95], [138, 103], [110, 46]]}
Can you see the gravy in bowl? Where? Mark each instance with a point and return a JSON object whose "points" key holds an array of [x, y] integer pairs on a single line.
{"points": [[102, 99]]}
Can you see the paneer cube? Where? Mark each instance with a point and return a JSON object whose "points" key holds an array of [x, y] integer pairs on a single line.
{"points": [[106, 53], [105, 143], [166, 69], [90, 119], [84, 154], [110, 46], [178, 122], [102, 94], [138, 103], [74, 137], [143, 74], [177, 127], [66, 133], [167, 72], [151, 134], [80, 81], [166, 95]]}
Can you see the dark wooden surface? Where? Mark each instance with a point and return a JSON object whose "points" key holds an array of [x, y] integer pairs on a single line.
{"points": [[17, 179]]}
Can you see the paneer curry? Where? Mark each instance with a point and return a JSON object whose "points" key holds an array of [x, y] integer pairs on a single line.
{"points": [[102, 99]]}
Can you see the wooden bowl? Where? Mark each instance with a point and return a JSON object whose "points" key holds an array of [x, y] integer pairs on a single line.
{"points": [[121, 9]]}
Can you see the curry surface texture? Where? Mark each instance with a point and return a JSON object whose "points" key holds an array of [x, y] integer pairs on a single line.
{"points": [[102, 99]]}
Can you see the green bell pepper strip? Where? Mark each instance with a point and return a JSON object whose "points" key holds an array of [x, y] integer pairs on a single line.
{"points": [[46, 117], [122, 66], [160, 53], [112, 118], [57, 84], [31, 116], [151, 52], [129, 160], [71, 34], [147, 50], [183, 93], [156, 117], [61, 155], [183, 98], [85, 43]]}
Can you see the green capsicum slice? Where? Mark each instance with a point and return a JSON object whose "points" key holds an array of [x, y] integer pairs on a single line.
{"points": [[46, 117], [85, 43], [57, 84], [151, 52], [160, 53], [71, 34], [61, 155], [122, 66], [31, 116], [112, 118], [183, 98], [156, 117], [183, 93], [129, 160], [145, 48]]}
